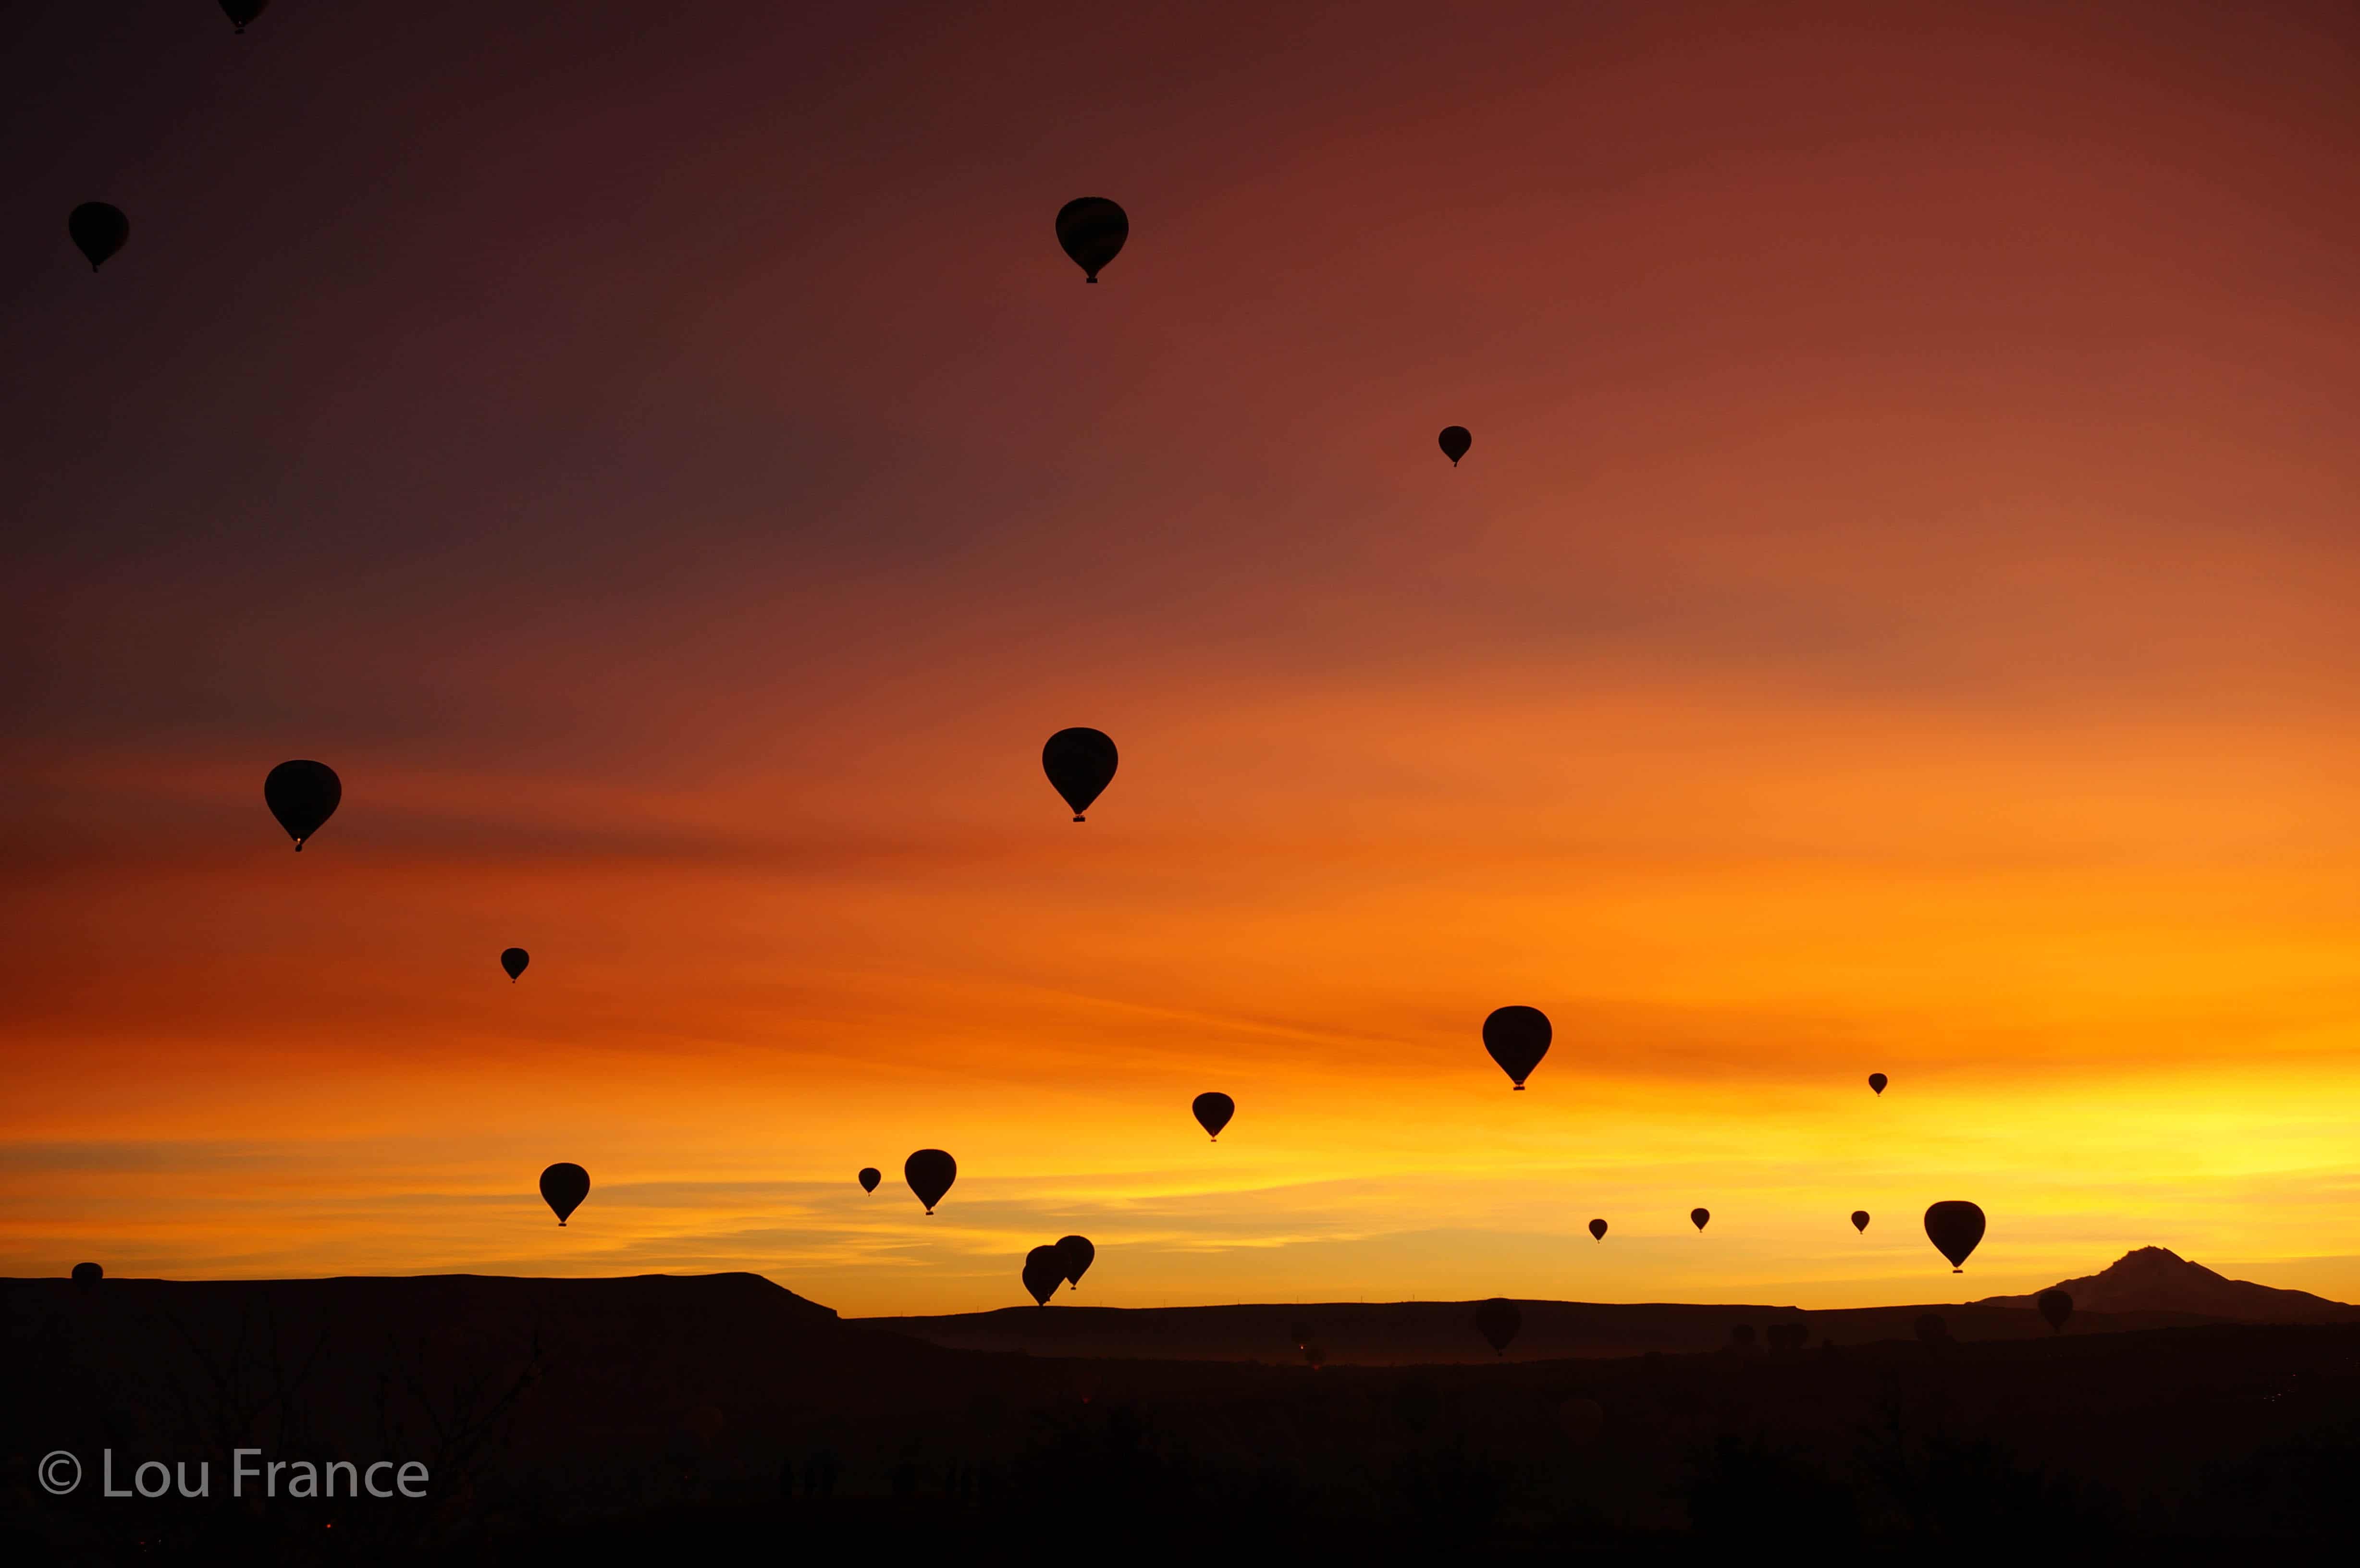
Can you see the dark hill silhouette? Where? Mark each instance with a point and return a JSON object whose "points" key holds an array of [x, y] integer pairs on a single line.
{"points": [[2157, 1280], [1401, 1334]]}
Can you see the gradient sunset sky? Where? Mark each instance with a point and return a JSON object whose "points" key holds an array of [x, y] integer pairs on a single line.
{"points": [[1898, 614]]}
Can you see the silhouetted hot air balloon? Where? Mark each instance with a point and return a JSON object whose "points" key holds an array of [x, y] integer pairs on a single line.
{"points": [[513, 960], [1877, 1081], [1044, 1270], [241, 12], [870, 1176], [303, 795], [98, 231], [1091, 229], [88, 1273], [2055, 1306], [1860, 1219], [1597, 1230], [1954, 1226], [1697, 1217], [930, 1173], [1080, 763], [1517, 1039], [562, 1188], [1213, 1111], [1078, 1255], [1300, 1332], [1497, 1321], [1455, 442]]}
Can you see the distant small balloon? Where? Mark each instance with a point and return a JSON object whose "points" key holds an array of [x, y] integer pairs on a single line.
{"points": [[1044, 1270], [562, 1188], [1078, 1255], [98, 231], [1697, 1217], [513, 960], [1497, 1321], [2055, 1306], [1597, 1230], [1080, 763], [930, 1173], [1955, 1227], [1300, 1332], [1213, 1111], [1860, 1219], [241, 12], [870, 1176], [1877, 1081], [1455, 442], [303, 795], [1091, 229], [1517, 1039], [88, 1273]]}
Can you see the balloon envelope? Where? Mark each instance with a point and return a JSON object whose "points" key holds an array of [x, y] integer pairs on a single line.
{"points": [[930, 1173], [1877, 1081], [1697, 1217], [88, 1273], [1954, 1226], [1455, 441], [513, 960], [1860, 1219], [870, 1176], [2055, 1306], [1597, 1230], [562, 1188], [1078, 1255], [1044, 1270], [1080, 763], [241, 12], [1091, 229], [1497, 1321], [1517, 1039], [303, 795], [98, 231], [1213, 1111]]}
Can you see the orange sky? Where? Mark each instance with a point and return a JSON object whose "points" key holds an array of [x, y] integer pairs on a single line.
{"points": [[1896, 616]]}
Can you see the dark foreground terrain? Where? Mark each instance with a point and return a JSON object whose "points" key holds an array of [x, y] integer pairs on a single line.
{"points": [[653, 1418]]}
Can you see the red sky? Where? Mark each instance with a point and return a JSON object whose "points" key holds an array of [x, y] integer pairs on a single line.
{"points": [[1895, 617]]}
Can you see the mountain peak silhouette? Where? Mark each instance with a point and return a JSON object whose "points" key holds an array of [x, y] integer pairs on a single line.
{"points": [[2157, 1280]]}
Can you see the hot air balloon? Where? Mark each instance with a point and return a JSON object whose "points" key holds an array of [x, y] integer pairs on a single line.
{"points": [[98, 231], [1877, 1081], [1517, 1039], [88, 1273], [241, 12], [1455, 442], [1300, 1332], [1044, 1270], [562, 1188], [1497, 1321], [1213, 1112], [930, 1173], [303, 795], [1092, 229], [1078, 1255], [870, 1176], [513, 960], [1313, 1356], [2055, 1306], [1597, 1230], [1954, 1226], [1860, 1219], [1080, 763], [1697, 1217]]}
